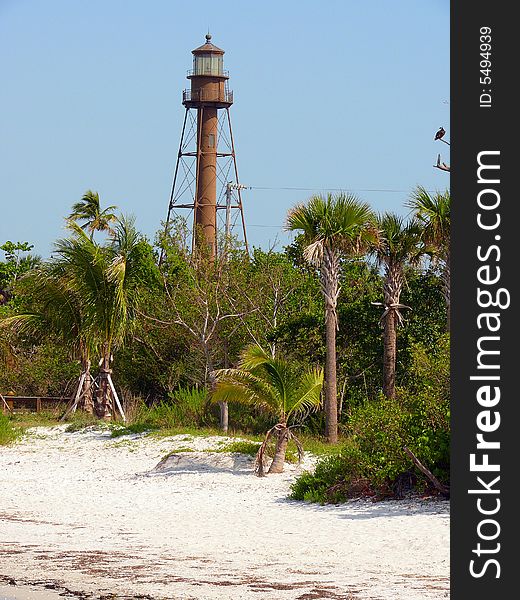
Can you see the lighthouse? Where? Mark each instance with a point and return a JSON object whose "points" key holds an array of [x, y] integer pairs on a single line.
{"points": [[206, 175]]}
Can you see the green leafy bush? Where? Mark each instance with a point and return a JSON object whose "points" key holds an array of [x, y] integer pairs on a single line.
{"points": [[8, 433], [80, 420], [335, 478], [374, 462], [186, 407], [241, 447], [132, 429]]}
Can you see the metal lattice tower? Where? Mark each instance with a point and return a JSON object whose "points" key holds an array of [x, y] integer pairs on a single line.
{"points": [[205, 180]]}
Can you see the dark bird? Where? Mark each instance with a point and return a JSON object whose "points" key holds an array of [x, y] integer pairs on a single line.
{"points": [[439, 134]]}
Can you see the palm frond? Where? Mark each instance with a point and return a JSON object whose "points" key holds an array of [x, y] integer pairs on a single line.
{"points": [[401, 240], [88, 209], [306, 397], [434, 213], [242, 387], [269, 383], [341, 222]]}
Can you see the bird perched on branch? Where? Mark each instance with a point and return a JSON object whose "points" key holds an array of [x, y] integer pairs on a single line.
{"points": [[440, 133]]}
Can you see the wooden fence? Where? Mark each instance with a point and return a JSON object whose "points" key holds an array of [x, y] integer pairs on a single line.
{"points": [[33, 403]]}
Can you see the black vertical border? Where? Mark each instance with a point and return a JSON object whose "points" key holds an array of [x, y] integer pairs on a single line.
{"points": [[475, 129]]}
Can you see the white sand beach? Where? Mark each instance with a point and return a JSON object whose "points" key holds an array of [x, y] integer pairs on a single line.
{"points": [[92, 514]]}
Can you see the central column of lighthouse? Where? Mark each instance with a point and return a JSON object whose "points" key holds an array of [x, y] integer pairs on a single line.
{"points": [[206, 200]]}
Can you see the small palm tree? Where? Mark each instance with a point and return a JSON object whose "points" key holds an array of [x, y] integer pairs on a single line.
{"points": [[88, 209], [400, 246], [434, 214], [272, 385], [335, 228]]}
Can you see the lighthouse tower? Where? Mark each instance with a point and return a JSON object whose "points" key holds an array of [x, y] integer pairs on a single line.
{"points": [[206, 176]]}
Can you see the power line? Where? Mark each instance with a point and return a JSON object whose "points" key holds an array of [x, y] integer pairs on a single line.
{"points": [[301, 189]]}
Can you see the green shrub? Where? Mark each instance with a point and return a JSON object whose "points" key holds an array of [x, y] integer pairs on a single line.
{"points": [[380, 429], [8, 433], [81, 420], [241, 447], [44, 369], [186, 407], [132, 429], [374, 462], [191, 406], [335, 478]]}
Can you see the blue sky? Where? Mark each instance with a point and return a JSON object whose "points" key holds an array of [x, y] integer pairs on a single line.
{"points": [[332, 94]]}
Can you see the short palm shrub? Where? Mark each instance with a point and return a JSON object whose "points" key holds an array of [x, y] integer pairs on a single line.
{"points": [[282, 390]]}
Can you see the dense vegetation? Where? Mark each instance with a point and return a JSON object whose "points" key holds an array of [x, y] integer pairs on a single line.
{"points": [[366, 300]]}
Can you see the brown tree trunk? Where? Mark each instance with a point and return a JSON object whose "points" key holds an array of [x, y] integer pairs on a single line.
{"points": [[392, 287], [88, 402], [389, 354], [330, 289], [279, 454], [103, 405], [331, 394]]}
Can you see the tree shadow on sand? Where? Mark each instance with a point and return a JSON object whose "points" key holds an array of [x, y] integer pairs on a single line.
{"points": [[353, 510]]}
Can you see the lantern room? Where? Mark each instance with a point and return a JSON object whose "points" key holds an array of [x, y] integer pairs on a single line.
{"points": [[208, 60], [208, 78]]}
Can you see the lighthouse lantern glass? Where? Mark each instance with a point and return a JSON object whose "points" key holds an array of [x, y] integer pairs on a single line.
{"points": [[208, 64]]}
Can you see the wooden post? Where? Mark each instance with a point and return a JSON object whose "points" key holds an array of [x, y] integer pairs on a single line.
{"points": [[116, 397], [38, 404], [76, 398], [5, 405]]}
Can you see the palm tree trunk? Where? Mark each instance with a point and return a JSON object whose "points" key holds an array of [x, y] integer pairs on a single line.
{"points": [[331, 401], [103, 406], [330, 290], [389, 354], [393, 284], [88, 402], [279, 454]]}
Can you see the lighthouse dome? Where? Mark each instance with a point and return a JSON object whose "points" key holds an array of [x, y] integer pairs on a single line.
{"points": [[208, 59]]}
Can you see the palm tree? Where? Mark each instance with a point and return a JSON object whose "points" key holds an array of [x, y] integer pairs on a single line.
{"points": [[88, 209], [109, 280], [400, 246], [335, 228], [51, 308], [272, 385], [434, 214]]}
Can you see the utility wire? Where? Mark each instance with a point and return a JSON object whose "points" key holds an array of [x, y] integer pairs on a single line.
{"points": [[301, 189]]}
